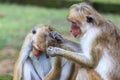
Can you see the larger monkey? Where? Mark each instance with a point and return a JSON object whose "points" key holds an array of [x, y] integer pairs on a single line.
{"points": [[29, 67], [99, 49]]}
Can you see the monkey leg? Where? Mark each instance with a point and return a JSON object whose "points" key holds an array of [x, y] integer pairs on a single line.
{"points": [[55, 70]]}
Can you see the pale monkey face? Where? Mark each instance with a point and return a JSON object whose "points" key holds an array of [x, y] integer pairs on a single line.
{"points": [[41, 39]]}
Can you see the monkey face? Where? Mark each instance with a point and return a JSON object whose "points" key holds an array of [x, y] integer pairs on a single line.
{"points": [[75, 28], [81, 17], [41, 39]]}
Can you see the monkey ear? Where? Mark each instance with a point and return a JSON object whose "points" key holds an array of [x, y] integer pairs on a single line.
{"points": [[90, 19]]}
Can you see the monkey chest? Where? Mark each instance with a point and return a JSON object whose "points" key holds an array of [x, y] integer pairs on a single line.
{"points": [[41, 64]]}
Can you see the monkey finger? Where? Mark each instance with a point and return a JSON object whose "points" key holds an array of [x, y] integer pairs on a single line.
{"points": [[50, 51], [55, 35]]}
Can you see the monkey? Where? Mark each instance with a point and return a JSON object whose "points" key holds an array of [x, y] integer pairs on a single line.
{"points": [[98, 53], [34, 64]]}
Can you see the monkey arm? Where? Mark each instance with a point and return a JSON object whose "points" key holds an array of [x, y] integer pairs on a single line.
{"points": [[55, 70], [71, 45], [64, 42], [84, 59], [24, 53]]}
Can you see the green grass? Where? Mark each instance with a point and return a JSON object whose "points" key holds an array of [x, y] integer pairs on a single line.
{"points": [[18, 21], [5, 77]]}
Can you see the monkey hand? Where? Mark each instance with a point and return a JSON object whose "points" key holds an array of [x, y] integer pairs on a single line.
{"points": [[53, 51], [55, 35]]}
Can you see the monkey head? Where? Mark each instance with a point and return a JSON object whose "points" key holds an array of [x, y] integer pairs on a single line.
{"points": [[82, 17], [41, 39]]}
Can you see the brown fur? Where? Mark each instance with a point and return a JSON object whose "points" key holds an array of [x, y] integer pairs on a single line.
{"points": [[42, 40], [100, 60]]}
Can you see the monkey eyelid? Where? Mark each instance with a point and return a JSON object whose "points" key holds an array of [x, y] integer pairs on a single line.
{"points": [[90, 19]]}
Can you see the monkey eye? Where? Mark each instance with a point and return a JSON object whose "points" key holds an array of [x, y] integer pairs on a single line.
{"points": [[33, 31], [89, 19]]}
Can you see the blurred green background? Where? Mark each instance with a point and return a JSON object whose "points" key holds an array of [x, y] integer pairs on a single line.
{"points": [[18, 17]]}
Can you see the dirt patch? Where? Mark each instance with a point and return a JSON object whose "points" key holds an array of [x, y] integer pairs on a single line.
{"points": [[2, 14], [7, 60], [8, 51], [6, 66]]}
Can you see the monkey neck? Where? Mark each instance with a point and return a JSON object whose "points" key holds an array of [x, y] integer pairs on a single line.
{"points": [[37, 52], [38, 56], [41, 65]]}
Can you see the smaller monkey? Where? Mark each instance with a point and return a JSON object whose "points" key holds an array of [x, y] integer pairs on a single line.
{"points": [[34, 64]]}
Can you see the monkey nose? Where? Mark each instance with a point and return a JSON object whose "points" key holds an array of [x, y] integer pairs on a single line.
{"points": [[33, 31]]}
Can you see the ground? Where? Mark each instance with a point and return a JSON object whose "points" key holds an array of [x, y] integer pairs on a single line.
{"points": [[8, 55]]}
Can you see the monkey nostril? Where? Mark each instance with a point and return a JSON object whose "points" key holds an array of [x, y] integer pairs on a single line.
{"points": [[33, 31]]}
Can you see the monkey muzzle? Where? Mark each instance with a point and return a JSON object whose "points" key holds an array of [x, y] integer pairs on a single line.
{"points": [[75, 31], [36, 50]]}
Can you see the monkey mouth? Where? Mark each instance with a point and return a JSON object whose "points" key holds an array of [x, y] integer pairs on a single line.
{"points": [[76, 32], [36, 50]]}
